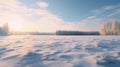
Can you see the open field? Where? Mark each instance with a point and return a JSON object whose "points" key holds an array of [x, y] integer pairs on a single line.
{"points": [[60, 51]]}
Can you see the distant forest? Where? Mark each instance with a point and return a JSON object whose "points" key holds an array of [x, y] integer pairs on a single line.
{"points": [[76, 33], [110, 28]]}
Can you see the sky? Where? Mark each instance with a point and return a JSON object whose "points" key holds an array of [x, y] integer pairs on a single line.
{"points": [[52, 15]]}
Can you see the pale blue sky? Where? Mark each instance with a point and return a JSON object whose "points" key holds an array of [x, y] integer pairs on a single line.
{"points": [[75, 10], [52, 15]]}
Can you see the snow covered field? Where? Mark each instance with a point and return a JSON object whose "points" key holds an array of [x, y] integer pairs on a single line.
{"points": [[60, 51]]}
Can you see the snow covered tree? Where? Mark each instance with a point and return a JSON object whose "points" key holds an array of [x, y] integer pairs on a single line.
{"points": [[111, 28], [4, 30]]}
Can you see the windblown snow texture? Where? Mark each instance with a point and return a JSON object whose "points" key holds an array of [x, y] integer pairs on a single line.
{"points": [[60, 51]]}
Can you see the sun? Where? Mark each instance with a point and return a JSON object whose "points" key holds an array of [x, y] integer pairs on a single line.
{"points": [[15, 26]]}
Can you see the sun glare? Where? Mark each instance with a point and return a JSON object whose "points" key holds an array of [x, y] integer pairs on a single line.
{"points": [[15, 26]]}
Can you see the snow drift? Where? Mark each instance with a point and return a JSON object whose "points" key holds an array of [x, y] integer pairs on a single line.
{"points": [[59, 51]]}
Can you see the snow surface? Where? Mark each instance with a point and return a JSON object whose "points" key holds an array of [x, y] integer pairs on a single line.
{"points": [[60, 51]]}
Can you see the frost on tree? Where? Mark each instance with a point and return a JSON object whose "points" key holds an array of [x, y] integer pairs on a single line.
{"points": [[112, 28], [4, 30]]}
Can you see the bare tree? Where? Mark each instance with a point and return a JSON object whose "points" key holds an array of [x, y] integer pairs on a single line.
{"points": [[111, 28], [4, 30]]}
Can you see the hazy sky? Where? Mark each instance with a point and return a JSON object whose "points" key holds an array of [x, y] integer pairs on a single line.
{"points": [[52, 15]]}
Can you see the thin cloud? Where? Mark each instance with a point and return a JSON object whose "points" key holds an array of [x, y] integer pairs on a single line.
{"points": [[116, 12], [105, 8], [42, 4], [91, 17], [40, 19], [102, 15]]}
